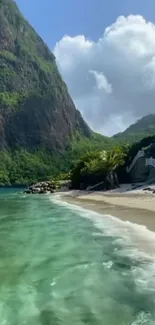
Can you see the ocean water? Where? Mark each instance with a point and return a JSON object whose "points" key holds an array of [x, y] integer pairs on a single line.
{"points": [[63, 265]]}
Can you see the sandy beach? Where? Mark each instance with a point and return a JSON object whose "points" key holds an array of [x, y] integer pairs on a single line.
{"points": [[136, 206]]}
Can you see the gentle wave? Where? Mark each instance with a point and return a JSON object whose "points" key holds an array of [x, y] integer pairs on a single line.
{"points": [[127, 231], [137, 242]]}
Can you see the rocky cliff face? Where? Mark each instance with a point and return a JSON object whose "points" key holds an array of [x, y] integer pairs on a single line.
{"points": [[35, 107]]}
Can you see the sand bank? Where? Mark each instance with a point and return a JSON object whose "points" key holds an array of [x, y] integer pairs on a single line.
{"points": [[135, 206]]}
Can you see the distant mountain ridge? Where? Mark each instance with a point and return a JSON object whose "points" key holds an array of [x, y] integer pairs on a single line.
{"points": [[142, 128]]}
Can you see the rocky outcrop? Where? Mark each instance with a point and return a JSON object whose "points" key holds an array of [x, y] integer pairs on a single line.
{"points": [[48, 187], [41, 188]]}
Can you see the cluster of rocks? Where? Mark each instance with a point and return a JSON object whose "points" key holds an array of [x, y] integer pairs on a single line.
{"points": [[49, 187], [41, 188], [149, 189]]}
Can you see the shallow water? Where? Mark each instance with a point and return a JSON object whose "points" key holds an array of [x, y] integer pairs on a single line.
{"points": [[62, 265]]}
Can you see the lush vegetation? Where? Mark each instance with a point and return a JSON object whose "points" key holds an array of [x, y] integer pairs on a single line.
{"points": [[98, 166], [85, 162], [23, 167]]}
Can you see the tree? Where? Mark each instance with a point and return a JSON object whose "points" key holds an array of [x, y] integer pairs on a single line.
{"points": [[95, 167]]}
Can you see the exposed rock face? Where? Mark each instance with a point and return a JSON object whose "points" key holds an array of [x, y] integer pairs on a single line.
{"points": [[142, 167], [35, 107]]}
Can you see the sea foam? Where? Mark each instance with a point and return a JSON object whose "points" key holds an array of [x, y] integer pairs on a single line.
{"points": [[136, 242]]}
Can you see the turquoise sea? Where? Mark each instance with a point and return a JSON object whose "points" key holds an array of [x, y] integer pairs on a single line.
{"points": [[63, 265]]}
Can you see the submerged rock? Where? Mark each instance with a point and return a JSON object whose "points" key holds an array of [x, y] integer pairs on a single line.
{"points": [[28, 191]]}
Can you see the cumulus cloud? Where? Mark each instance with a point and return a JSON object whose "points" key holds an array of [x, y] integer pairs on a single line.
{"points": [[112, 81], [102, 82]]}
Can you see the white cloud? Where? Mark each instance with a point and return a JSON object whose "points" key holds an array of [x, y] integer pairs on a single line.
{"points": [[102, 82], [112, 81]]}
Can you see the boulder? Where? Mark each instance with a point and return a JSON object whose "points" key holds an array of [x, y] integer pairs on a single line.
{"points": [[36, 190]]}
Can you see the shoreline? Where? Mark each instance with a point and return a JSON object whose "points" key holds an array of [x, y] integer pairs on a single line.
{"points": [[136, 208]]}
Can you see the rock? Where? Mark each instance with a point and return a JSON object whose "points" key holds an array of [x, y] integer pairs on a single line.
{"points": [[42, 191], [28, 191], [148, 189], [36, 190]]}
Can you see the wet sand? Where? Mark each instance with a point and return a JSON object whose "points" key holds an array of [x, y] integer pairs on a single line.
{"points": [[136, 208]]}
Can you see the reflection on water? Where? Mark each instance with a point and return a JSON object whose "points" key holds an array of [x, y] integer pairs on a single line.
{"points": [[57, 268]]}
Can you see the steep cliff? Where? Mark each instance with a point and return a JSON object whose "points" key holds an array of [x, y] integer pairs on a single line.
{"points": [[36, 110]]}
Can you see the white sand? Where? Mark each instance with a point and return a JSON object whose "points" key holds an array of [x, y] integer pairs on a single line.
{"points": [[136, 206], [124, 196]]}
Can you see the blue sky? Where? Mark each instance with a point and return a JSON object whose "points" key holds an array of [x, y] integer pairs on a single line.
{"points": [[52, 19], [112, 79]]}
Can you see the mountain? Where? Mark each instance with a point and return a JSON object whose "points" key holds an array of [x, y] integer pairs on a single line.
{"points": [[142, 128], [35, 107], [40, 128]]}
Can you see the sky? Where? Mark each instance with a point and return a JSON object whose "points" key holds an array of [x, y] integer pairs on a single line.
{"points": [[105, 51]]}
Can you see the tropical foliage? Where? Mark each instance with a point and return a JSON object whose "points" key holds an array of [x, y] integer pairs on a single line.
{"points": [[23, 168], [95, 167]]}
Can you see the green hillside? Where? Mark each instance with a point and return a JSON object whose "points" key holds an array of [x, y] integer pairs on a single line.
{"points": [[137, 131]]}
